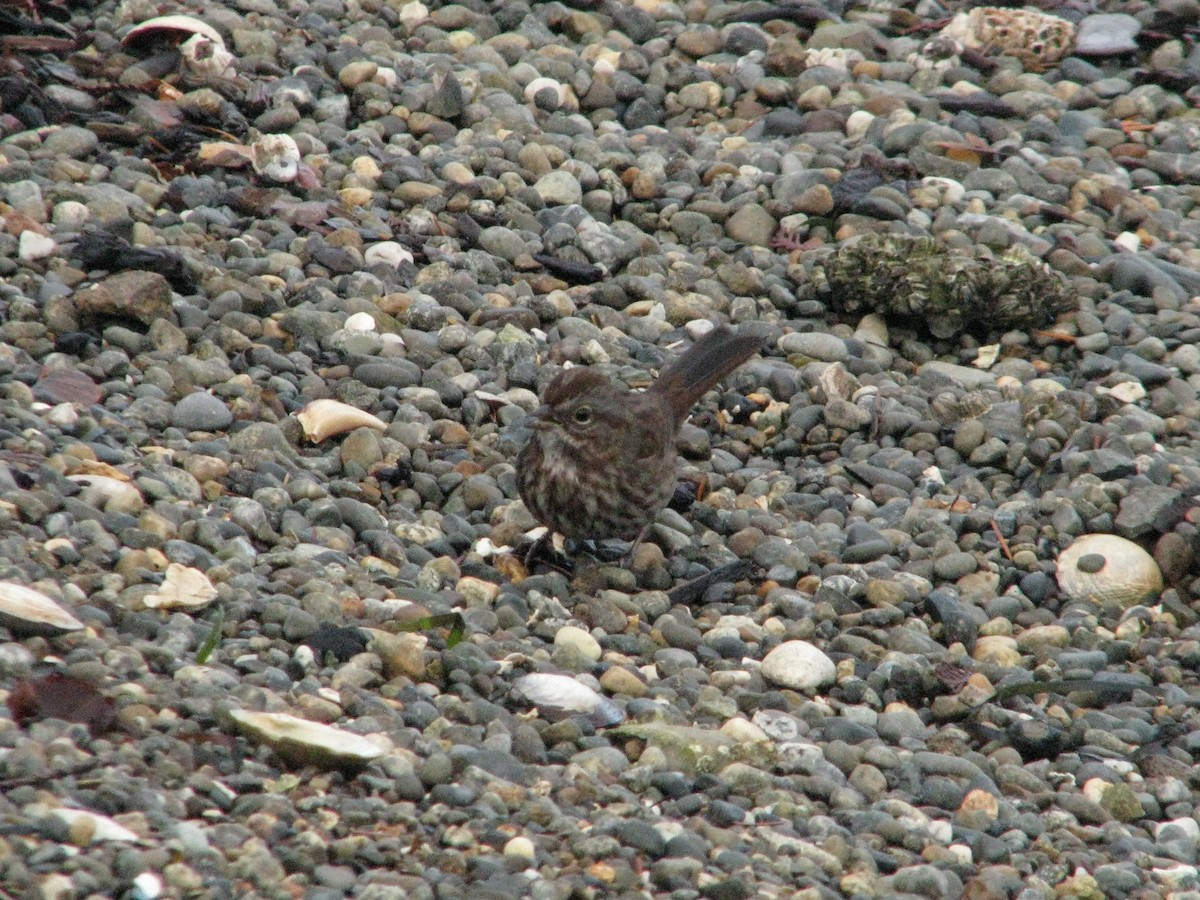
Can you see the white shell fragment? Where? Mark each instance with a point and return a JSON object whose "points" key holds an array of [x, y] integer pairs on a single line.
{"points": [[558, 696], [33, 246], [322, 419], [391, 253], [207, 58], [302, 742], [798, 665], [1105, 568], [276, 156], [97, 827], [183, 588], [26, 611]]}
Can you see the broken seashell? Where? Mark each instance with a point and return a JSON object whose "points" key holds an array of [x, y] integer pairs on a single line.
{"points": [[1105, 568], [840, 59], [390, 253], [176, 26], [182, 588], [302, 742], [276, 156], [558, 696], [26, 611], [207, 58], [325, 418], [93, 826]]}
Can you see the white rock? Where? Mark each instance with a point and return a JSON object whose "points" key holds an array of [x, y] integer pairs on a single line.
{"points": [[388, 252], [32, 245], [360, 322], [798, 665], [573, 636]]}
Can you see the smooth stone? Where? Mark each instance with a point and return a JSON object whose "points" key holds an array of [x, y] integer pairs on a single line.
{"points": [[798, 665]]}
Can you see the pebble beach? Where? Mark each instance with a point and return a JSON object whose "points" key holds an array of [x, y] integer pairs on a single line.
{"points": [[279, 284]]}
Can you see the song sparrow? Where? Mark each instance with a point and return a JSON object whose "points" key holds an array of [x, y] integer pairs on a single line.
{"points": [[601, 460]]}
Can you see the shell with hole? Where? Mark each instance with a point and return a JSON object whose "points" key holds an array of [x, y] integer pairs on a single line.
{"points": [[1105, 568], [322, 419]]}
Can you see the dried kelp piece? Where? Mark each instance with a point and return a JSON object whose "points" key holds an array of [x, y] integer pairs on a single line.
{"points": [[59, 696], [102, 250], [919, 281]]}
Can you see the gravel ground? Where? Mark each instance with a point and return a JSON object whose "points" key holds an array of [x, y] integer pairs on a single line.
{"points": [[922, 620]]}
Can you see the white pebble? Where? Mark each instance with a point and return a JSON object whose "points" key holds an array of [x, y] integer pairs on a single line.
{"points": [[147, 886], [360, 321], [388, 252], [35, 246], [798, 665], [69, 215], [1127, 242]]}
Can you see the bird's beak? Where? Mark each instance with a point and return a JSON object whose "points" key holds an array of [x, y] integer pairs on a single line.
{"points": [[539, 419]]}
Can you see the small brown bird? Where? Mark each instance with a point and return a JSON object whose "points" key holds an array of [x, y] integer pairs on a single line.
{"points": [[601, 461]]}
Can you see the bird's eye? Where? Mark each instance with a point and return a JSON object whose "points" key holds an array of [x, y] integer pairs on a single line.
{"points": [[583, 414]]}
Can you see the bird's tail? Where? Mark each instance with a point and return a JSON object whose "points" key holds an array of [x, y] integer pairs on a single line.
{"points": [[702, 365]]}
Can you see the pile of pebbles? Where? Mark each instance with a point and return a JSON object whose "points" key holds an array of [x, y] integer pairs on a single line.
{"points": [[849, 661]]}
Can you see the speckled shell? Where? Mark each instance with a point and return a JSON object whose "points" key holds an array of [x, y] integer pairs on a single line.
{"points": [[1113, 570]]}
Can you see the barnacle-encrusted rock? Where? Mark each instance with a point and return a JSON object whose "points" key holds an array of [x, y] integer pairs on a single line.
{"points": [[915, 280], [1105, 568], [1035, 38]]}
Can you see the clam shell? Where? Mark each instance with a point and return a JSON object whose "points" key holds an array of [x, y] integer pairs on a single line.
{"points": [[172, 25], [302, 742], [183, 588], [325, 418], [26, 611], [558, 696], [1104, 568]]}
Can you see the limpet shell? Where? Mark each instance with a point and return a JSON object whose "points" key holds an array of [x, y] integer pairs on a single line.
{"points": [[1105, 568], [26, 611], [325, 418]]}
